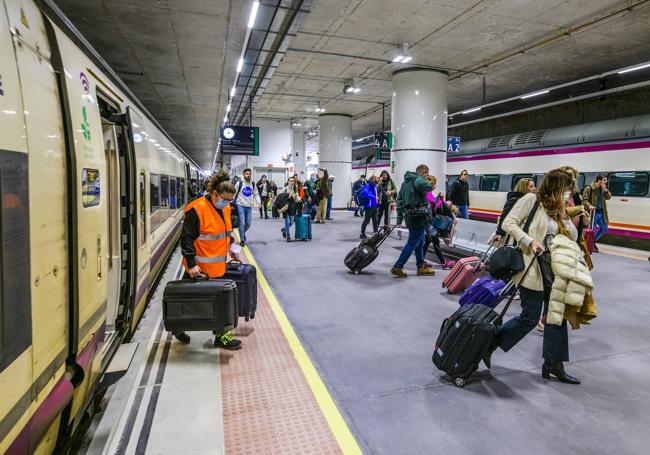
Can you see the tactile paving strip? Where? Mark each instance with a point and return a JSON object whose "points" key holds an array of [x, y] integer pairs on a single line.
{"points": [[267, 404]]}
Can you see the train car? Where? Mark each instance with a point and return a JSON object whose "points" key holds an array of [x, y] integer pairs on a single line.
{"points": [[618, 149], [92, 193]]}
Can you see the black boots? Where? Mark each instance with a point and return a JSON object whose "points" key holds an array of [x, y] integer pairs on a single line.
{"points": [[557, 369]]}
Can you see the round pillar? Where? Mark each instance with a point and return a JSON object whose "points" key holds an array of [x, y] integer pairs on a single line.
{"points": [[419, 123], [335, 154], [299, 154]]}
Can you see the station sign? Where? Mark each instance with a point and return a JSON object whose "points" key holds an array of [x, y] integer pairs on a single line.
{"points": [[453, 144], [383, 144], [240, 140]]}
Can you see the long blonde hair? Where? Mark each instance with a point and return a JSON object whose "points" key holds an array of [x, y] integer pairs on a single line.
{"points": [[575, 173], [551, 195], [522, 185]]}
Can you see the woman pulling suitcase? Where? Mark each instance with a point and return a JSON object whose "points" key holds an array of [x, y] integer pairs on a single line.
{"points": [[549, 218], [206, 242]]}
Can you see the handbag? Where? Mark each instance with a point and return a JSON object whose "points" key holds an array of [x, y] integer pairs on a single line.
{"points": [[508, 260], [441, 222]]}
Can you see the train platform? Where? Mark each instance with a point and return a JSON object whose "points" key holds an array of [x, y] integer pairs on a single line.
{"points": [[338, 363]]}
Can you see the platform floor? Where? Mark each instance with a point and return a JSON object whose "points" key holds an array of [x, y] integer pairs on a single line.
{"points": [[370, 338]]}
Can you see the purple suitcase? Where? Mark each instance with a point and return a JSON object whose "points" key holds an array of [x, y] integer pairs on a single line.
{"points": [[484, 291]]}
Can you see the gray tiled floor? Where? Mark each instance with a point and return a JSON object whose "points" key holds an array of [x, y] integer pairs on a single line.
{"points": [[371, 338]]}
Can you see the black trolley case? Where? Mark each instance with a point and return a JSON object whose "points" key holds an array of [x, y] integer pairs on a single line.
{"points": [[363, 255], [197, 305], [245, 276]]}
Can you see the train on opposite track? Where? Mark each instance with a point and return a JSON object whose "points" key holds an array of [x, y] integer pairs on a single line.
{"points": [[619, 149], [92, 193]]}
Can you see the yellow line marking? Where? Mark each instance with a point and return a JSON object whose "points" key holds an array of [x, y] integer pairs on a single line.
{"points": [[335, 420]]}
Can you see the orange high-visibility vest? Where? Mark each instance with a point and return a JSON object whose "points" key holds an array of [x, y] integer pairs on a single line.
{"points": [[213, 242]]}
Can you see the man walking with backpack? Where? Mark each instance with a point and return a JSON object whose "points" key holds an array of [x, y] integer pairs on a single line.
{"points": [[413, 208], [245, 201]]}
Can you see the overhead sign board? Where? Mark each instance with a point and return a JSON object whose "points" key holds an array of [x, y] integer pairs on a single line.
{"points": [[453, 144], [240, 140], [383, 145]]}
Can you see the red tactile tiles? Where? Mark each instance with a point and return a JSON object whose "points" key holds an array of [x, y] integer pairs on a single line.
{"points": [[267, 404]]}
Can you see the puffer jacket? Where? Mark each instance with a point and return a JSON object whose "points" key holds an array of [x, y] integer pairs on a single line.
{"points": [[572, 278]]}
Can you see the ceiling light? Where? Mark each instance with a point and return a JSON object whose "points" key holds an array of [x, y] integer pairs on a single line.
{"points": [[640, 67], [232, 91], [228, 108], [240, 64], [296, 124], [398, 59], [469, 111], [349, 89], [407, 59], [225, 119], [356, 90], [251, 19], [534, 94]]}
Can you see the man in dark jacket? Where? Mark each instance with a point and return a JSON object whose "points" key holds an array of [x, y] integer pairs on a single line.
{"points": [[459, 194], [356, 189], [595, 196], [413, 208]]}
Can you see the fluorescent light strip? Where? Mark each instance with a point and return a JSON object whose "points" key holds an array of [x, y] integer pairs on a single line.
{"points": [[232, 92], [240, 64], [251, 19], [647, 65], [398, 59], [407, 59], [534, 94], [469, 111], [228, 108]]}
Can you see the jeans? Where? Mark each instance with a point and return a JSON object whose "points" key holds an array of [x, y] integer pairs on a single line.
{"points": [[415, 243], [288, 222], [359, 209], [245, 219], [464, 211], [371, 214], [556, 338], [264, 206], [600, 225], [384, 212], [329, 208]]}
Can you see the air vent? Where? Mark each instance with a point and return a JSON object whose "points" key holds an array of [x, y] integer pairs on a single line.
{"points": [[501, 141], [533, 137]]}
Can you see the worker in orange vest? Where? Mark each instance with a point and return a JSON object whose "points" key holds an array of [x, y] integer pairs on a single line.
{"points": [[206, 242]]}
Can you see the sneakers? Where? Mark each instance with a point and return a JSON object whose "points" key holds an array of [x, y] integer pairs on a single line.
{"points": [[182, 337], [424, 271], [398, 272], [448, 265], [288, 239], [226, 341], [242, 244], [428, 264], [284, 233], [363, 236]]}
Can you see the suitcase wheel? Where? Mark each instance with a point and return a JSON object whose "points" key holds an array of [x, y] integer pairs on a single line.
{"points": [[459, 382]]}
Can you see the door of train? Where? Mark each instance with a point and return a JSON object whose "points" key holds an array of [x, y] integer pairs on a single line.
{"points": [[119, 186]]}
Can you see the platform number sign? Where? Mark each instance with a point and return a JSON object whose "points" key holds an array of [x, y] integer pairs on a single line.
{"points": [[383, 145], [453, 144]]}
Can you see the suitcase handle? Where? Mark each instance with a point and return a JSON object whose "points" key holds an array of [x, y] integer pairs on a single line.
{"points": [[516, 290]]}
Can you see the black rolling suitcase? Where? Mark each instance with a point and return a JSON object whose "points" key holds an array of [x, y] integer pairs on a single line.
{"points": [[204, 304], [466, 335], [245, 275], [367, 251]]}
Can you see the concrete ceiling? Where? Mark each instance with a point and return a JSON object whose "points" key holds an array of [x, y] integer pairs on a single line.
{"points": [[178, 56]]}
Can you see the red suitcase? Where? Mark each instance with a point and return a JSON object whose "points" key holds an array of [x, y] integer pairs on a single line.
{"points": [[588, 234], [463, 274]]}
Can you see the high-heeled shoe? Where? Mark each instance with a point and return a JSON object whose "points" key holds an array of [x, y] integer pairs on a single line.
{"points": [[557, 369]]}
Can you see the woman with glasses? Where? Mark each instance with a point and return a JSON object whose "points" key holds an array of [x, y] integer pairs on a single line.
{"points": [[459, 194]]}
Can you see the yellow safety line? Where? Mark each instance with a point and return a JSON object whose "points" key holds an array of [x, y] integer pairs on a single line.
{"points": [[337, 424]]}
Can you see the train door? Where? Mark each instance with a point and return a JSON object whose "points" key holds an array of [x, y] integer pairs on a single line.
{"points": [[119, 213]]}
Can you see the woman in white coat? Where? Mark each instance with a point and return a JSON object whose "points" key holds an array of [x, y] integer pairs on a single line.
{"points": [[549, 218]]}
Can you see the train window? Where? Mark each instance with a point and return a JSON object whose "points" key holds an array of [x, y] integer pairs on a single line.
{"points": [[581, 182], [154, 192], [517, 177], [180, 191], [489, 183], [90, 188], [628, 183], [164, 191], [141, 219], [15, 290], [172, 192]]}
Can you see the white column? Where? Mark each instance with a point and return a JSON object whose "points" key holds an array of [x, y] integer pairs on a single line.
{"points": [[299, 155], [419, 123], [335, 154]]}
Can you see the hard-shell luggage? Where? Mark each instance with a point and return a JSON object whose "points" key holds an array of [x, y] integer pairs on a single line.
{"points": [[204, 304], [303, 227], [363, 255], [245, 276], [467, 335], [484, 291], [463, 274]]}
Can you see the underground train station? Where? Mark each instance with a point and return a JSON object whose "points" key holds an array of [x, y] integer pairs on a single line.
{"points": [[324, 227]]}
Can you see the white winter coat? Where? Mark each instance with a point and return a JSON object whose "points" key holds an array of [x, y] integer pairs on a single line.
{"points": [[572, 278]]}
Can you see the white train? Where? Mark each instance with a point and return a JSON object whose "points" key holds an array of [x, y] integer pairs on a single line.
{"points": [[92, 193], [619, 149]]}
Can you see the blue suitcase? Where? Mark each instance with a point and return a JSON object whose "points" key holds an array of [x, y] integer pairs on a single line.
{"points": [[303, 227]]}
